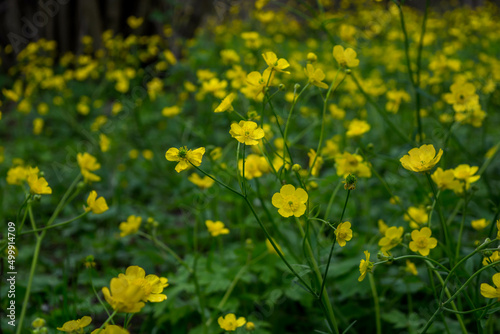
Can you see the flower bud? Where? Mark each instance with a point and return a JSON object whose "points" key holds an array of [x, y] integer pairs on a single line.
{"points": [[296, 168], [311, 57], [281, 87], [350, 182]]}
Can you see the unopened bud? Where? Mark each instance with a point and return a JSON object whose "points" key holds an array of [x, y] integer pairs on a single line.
{"points": [[281, 87], [311, 57], [296, 168]]}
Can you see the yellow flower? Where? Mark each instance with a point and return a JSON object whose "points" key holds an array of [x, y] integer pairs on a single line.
{"points": [[421, 159], [255, 166], [317, 164], [75, 326], [270, 247], [247, 132], [357, 128], [445, 179], [38, 126], [316, 76], [411, 268], [336, 112], [422, 242], [290, 201], [216, 228], [185, 157], [225, 105], [274, 63], [345, 58], [498, 229], [343, 233], [392, 237], [495, 257], [416, 216], [104, 142], [88, 164], [97, 205], [463, 96], [171, 111], [134, 22], [466, 173], [111, 329], [203, 183], [347, 163], [151, 285], [382, 226], [131, 226], [230, 323], [488, 291], [124, 296], [365, 266], [258, 82], [16, 175], [479, 224], [38, 323], [38, 185], [250, 326]]}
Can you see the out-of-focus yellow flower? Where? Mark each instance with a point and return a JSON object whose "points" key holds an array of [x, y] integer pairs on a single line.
{"points": [[171, 111], [226, 104], [357, 128], [489, 291], [111, 329], [274, 63], [203, 183], [250, 326], [270, 247], [365, 266], [411, 268], [75, 326], [479, 224], [466, 173], [347, 163], [392, 237], [88, 164], [38, 185], [131, 226], [382, 226], [315, 76], [247, 132], [42, 108], [345, 58], [216, 228], [336, 112], [185, 157], [421, 159], [147, 154], [230, 323], [255, 166], [343, 233], [37, 126], [416, 216], [116, 108], [104, 142], [37, 323], [290, 201], [317, 160], [463, 96], [133, 154], [96, 205], [445, 179], [422, 242], [134, 22], [258, 82], [16, 175]]}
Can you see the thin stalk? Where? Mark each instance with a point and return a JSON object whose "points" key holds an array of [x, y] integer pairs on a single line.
{"points": [[376, 302], [462, 223], [56, 225]]}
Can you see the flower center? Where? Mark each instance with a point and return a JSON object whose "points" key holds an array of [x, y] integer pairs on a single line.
{"points": [[422, 242]]}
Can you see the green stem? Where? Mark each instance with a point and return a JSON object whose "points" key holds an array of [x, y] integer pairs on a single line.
{"points": [[376, 302], [107, 321], [169, 250], [56, 225], [325, 300], [462, 223]]}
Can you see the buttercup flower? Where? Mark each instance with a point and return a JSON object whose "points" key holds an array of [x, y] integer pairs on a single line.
{"points": [[96, 205], [75, 326], [124, 296], [417, 216], [343, 233], [274, 63], [185, 157], [151, 285], [422, 241], [37, 323], [111, 329], [290, 201], [131, 226], [247, 132], [347, 163], [258, 82], [216, 228], [491, 292], [357, 128], [202, 182], [345, 58], [463, 96], [38, 185], [365, 266], [250, 326], [445, 179], [393, 237], [317, 164], [316, 76], [466, 173], [88, 164], [495, 257], [225, 105], [421, 159], [479, 224], [230, 323], [411, 268]]}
